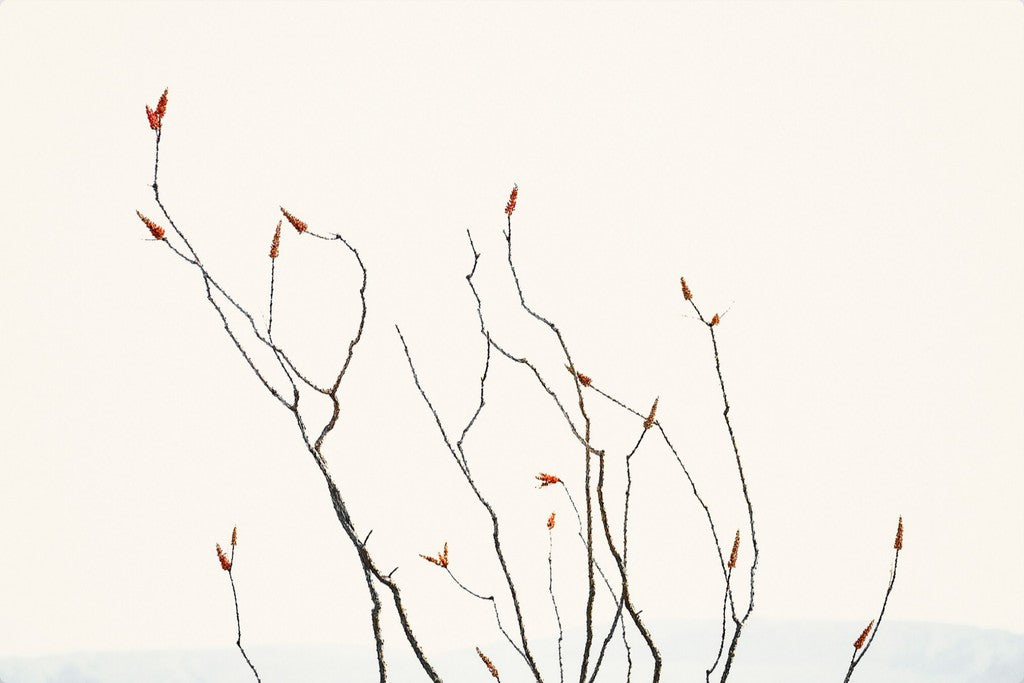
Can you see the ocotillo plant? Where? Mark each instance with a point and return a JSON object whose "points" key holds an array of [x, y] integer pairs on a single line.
{"points": [[611, 535]]}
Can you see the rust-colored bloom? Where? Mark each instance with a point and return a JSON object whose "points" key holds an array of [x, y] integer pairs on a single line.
{"points": [[859, 643], [234, 537], [584, 380], [715, 320], [686, 289], [735, 550], [511, 205], [225, 563], [155, 230], [551, 521], [275, 245], [296, 223], [441, 560], [161, 106], [649, 422], [488, 663], [899, 535], [547, 479], [156, 116]]}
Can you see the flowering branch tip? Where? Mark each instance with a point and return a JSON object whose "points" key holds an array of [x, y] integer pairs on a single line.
{"points": [[735, 551], [859, 643], [511, 205], [155, 230], [275, 244], [488, 663], [899, 535], [551, 521], [225, 563], [649, 422], [584, 380], [296, 223], [547, 479], [686, 289], [441, 560]]}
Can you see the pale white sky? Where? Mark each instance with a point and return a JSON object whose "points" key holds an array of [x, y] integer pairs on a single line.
{"points": [[847, 177]]}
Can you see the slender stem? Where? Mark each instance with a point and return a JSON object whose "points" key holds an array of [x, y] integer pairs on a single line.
{"points": [[554, 603], [314, 447], [238, 619], [627, 601], [721, 642], [855, 659]]}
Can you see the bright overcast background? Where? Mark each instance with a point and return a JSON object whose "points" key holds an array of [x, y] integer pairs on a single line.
{"points": [[847, 179]]}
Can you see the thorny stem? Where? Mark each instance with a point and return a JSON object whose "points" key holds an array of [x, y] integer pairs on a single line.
{"points": [[238, 619], [721, 641], [460, 458], [370, 570], [738, 623], [554, 604], [855, 658], [627, 601], [587, 466], [494, 605], [270, 315], [611, 591]]}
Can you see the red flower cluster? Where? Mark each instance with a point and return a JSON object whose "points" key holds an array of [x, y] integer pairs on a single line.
{"points": [[584, 380], [859, 643], [296, 223], [275, 245], [441, 560], [225, 563], [511, 205], [551, 521], [687, 294], [155, 230], [735, 551], [547, 480], [156, 116]]}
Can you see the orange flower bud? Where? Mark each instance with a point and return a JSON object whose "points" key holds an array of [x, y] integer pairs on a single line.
{"points": [[296, 223], [547, 479], [584, 380], [275, 245], [859, 643], [715, 320], [686, 289], [649, 422], [511, 205], [442, 557], [551, 521], [899, 536], [234, 537], [488, 663], [155, 230], [225, 563], [735, 551]]}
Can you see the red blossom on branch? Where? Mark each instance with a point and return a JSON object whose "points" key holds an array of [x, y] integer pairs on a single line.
{"points": [[225, 563], [547, 479], [859, 643], [156, 116], [735, 551], [441, 560], [584, 380], [687, 294], [275, 245], [715, 320], [899, 536], [511, 205], [296, 223], [551, 521], [155, 230]]}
